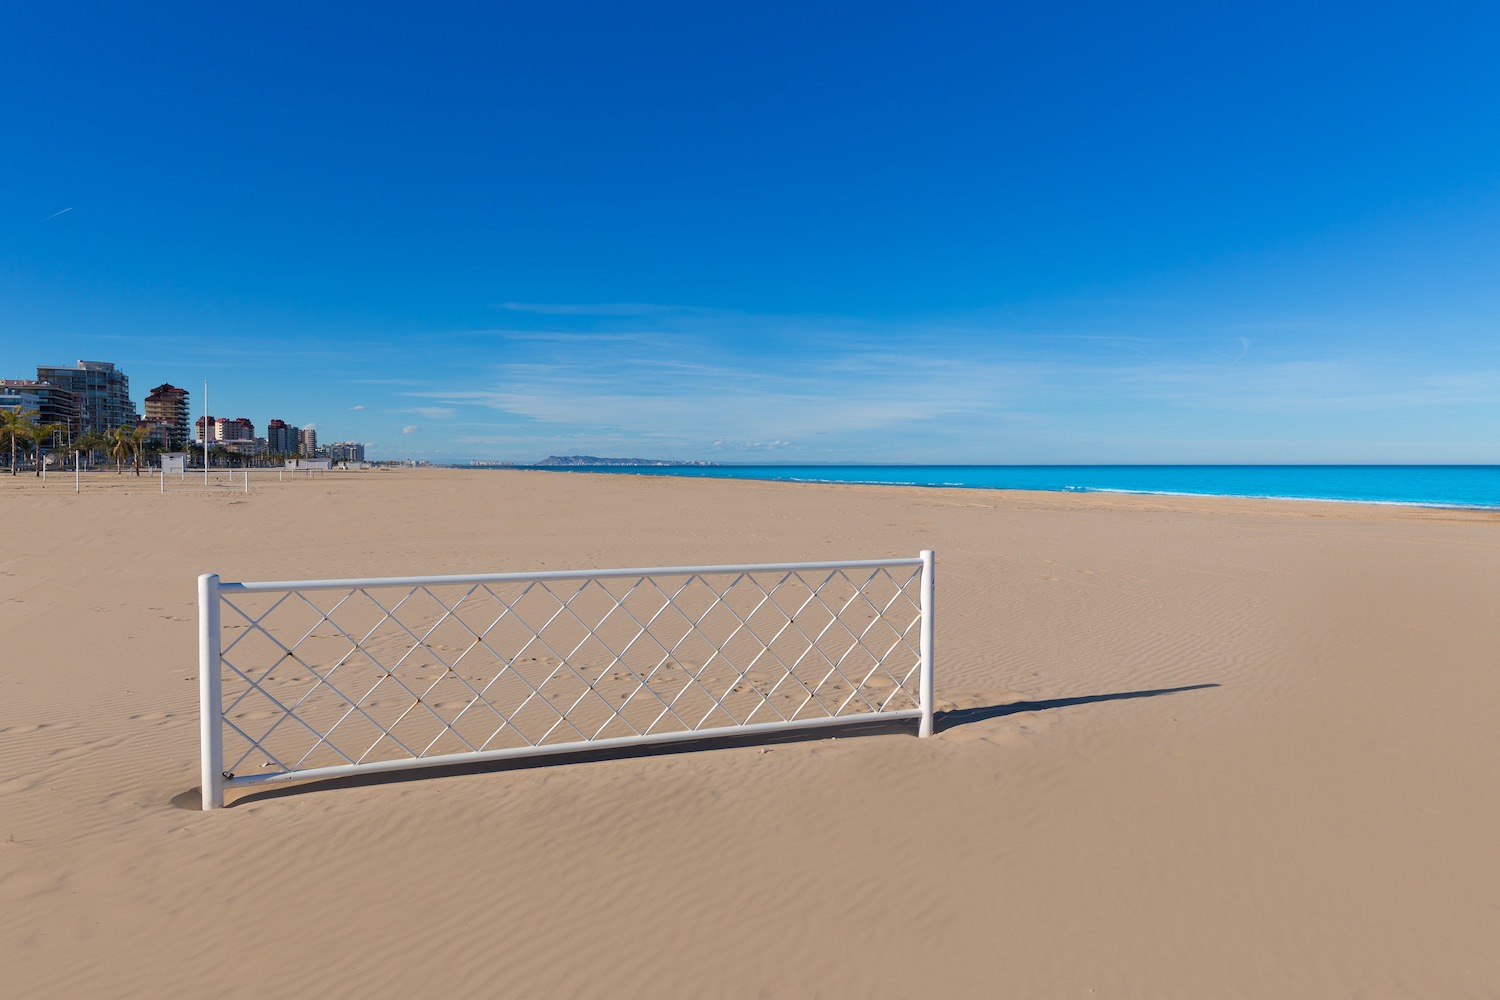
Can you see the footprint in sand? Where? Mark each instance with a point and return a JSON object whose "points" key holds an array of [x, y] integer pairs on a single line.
{"points": [[35, 727]]}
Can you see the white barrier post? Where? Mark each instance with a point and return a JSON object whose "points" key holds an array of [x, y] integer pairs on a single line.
{"points": [[210, 692], [925, 681], [77, 461]]}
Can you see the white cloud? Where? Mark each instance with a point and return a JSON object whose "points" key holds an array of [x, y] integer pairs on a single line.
{"points": [[360, 407], [411, 429], [310, 427]]}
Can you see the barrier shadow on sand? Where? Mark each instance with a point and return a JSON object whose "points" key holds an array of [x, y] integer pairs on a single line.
{"points": [[943, 721], [192, 798]]}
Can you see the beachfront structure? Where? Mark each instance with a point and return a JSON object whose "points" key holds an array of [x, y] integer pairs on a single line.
{"points": [[18, 394], [167, 410], [102, 391], [238, 429], [157, 433], [244, 446], [308, 438], [345, 451], [282, 438], [223, 430], [235, 435], [53, 404], [206, 428]]}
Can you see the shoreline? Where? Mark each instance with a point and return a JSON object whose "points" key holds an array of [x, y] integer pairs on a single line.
{"points": [[656, 472], [1314, 506], [107, 482]]}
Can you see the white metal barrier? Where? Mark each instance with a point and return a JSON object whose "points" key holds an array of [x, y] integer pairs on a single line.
{"points": [[236, 479], [324, 678]]}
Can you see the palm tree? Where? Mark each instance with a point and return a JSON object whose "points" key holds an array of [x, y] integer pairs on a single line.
{"points": [[118, 447], [39, 432], [13, 425], [138, 443], [89, 442]]}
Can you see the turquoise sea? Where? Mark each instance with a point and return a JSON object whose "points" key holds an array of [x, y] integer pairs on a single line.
{"points": [[1464, 486]]}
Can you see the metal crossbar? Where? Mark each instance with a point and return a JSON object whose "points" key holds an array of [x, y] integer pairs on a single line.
{"points": [[323, 678]]}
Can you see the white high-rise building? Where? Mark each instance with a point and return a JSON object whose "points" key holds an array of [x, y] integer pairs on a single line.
{"points": [[346, 451]]}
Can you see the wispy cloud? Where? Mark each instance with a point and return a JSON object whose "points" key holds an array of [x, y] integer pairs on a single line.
{"points": [[722, 445], [357, 407], [411, 429], [57, 213], [766, 405], [1315, 386], [668, 380], [562, 337], [430, 412], [631, 309]]}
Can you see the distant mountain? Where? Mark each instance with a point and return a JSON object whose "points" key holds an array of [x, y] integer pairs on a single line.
{"points": [[595, 460]]}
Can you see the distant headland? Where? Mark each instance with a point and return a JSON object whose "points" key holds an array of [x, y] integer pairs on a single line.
{"points": [[552, 460]]}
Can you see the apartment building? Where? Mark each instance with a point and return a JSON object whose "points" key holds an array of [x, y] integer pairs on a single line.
{"points": [[345, 451], [53, 404], [167, 409], [223, 429], [102, 391], [18, 394], [282, 438]]}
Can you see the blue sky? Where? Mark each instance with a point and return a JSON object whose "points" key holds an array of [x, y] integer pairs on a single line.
{"points": [[880, 233]]}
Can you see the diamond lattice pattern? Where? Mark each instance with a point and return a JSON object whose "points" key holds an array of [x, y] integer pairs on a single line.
{"points": [[333, 677]]}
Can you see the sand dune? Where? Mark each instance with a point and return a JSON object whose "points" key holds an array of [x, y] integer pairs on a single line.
{"points": [[1189, 748]]}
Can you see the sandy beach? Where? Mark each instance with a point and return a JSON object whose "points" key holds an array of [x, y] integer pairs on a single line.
{"points": [[1190, 748]]}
